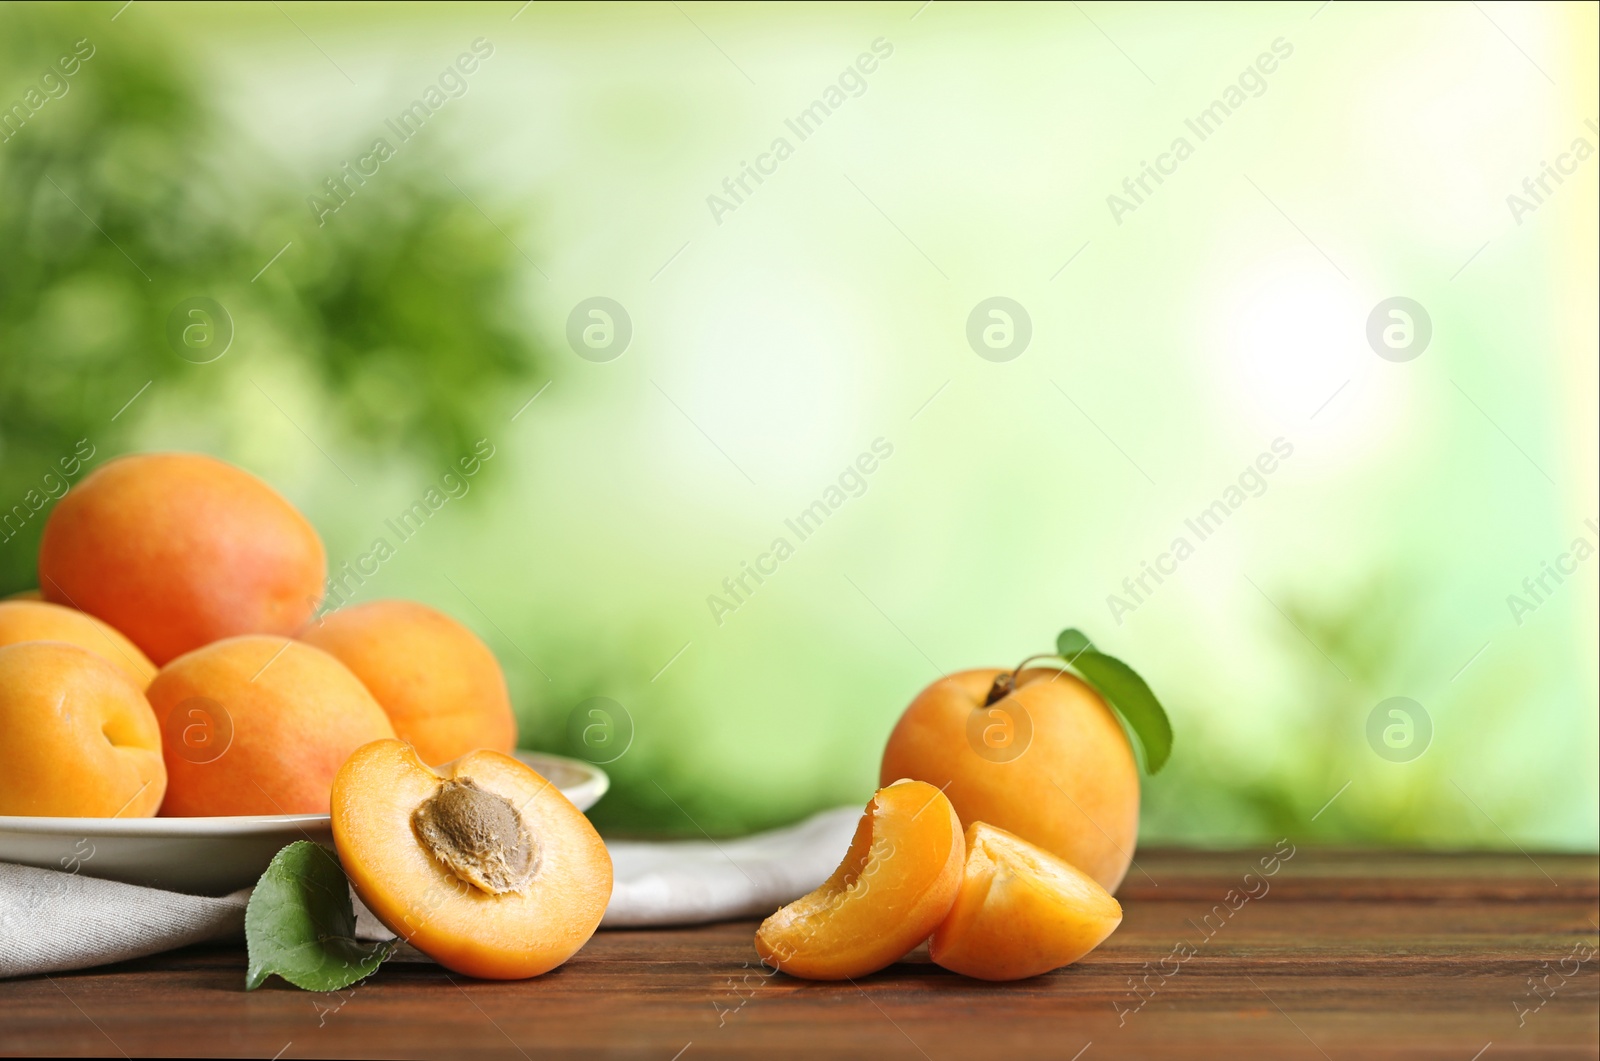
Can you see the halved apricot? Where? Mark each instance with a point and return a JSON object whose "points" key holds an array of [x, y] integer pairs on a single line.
{"points": [[1021, 911], [893, 888], [482, 864]]}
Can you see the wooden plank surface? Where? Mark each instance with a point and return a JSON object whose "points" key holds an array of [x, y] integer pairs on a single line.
{"points": [[1336, 955]]}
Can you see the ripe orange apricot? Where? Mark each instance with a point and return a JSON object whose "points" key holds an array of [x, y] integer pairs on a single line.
{"points": [[77, 738], [483, 865], [35, 620], [1066, 781], [259, 725], [177, 550], [1021, 911], [441, 687], [895, 885]]}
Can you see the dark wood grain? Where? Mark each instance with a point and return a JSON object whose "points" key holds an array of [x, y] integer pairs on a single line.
{"points": [[1340, 955]]}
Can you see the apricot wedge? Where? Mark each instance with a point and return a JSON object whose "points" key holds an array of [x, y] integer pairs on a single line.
{"points": [[893, 888], [482, 864], [1021, 911]]}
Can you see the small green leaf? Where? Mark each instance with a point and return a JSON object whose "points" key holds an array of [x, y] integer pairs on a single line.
{"points": [[300, 924], [1125, 691], [1071, 642]]}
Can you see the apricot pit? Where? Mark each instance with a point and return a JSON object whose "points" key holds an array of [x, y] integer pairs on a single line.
{"points": [[479, 835]]}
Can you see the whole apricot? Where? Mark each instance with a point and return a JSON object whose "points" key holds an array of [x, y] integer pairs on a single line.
{"points": [[896, 883], [1048, 762], [259, 725], [77, 738], [482, 865], [177, 550], [36, 620], [441, 687]]}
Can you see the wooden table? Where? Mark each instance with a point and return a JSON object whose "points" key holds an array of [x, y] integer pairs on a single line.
{"points": [[1336, 955]]}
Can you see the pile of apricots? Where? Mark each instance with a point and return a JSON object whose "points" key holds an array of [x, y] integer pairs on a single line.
{"points": [[173, 662]]}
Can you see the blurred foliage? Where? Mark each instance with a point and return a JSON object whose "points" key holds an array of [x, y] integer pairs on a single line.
{"points": [[391, 334], [1349, 655], [122, 193], [1360, 635]]}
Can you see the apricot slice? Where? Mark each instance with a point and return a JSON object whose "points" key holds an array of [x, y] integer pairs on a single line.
{"points": [[482, 864], [259, 725], [77, 738], [37, 620], [1021, 911], [177, 550], [893, 888], [439, 684]]}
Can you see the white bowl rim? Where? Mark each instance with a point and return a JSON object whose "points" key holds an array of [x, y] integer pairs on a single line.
{"points": [[229, 825], [248, 824]]}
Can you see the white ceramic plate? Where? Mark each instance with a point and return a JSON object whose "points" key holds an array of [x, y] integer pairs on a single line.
{"points": [[212, 856]]}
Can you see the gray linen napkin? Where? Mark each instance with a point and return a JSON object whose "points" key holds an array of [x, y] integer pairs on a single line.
{"points": [[51, 921]]}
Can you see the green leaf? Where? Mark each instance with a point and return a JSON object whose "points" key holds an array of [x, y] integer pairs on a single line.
{"points": [[300, 924], [1125, 691], [1071, 642]]}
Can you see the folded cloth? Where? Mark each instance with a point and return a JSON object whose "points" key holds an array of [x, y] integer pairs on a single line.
{"points": [[52, 921], [690, 882]]}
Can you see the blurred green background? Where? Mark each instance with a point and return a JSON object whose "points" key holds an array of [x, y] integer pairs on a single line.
{"points": [[779, 329]]}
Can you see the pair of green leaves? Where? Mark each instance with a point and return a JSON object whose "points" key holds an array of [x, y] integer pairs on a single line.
{"points": [[1125, 691], [301, 926]]}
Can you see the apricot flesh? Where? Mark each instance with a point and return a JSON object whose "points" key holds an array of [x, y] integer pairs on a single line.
{"points": [[259, 725], [37, 620], [482, 864], [1021, 911], [441, 687], [177, 550], [77, 738], [1073, 789], [895, 885]]}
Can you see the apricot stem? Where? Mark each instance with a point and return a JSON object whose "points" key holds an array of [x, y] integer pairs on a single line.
{"points": [[1005, 683]]}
